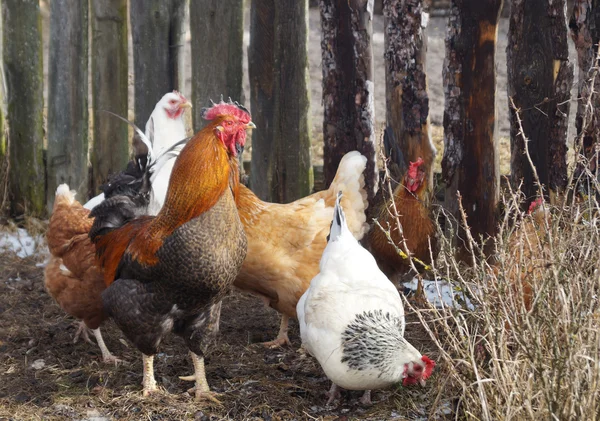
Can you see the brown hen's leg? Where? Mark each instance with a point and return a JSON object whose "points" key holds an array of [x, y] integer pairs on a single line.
{"points": [[201, 389], [107, 357], [82, 331], [333, 394], [365, 399], [282, 337], [148, 381]]}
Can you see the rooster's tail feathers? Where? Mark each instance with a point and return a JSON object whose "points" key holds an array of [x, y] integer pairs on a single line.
{"points": [[115, 212], [351, 181]]}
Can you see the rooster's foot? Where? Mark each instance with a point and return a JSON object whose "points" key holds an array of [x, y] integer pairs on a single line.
{"points": [[148, 381], [333, 394], [201, 389]]}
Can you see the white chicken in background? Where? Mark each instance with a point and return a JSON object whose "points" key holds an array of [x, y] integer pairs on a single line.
{"points": [[352, 320], [164, 128]]}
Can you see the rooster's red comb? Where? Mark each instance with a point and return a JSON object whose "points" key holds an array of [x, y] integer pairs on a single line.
{"points": [[533, 206], [226, 108], [412, 169]]}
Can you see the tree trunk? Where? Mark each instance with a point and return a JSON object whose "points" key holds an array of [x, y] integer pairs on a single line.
{"points": [[347, 61], [158, 34], [278, 65], [110, 151], [407, 136], [539, 81], [585, 31], [68, 98], [3, 139], [212, 77], [22, 39], [470, 163]]}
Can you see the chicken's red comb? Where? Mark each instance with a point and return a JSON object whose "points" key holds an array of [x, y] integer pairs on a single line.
{"points": [[429, 365], [412, 169], [181, 96], [533, 206], [227, 108]]}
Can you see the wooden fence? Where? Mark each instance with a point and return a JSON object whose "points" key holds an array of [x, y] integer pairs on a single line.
{"points": [[540, 77]]}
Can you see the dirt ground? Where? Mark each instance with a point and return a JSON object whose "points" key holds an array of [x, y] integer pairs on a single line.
{"points": [[46, 376]]}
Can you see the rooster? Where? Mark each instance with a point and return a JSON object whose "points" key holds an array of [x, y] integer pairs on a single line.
{"points": [[352, 320], [171, 271], [285, 241], [417, 225], [72, 276]]}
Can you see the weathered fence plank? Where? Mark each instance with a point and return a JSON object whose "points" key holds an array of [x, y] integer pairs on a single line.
{"points": [[67, 160], [347, 60], [278, 65], [158, 35], [470, 164], [407, 136], [216, 54], [110, 151], [22, 39], [585, 31], [539, 81]]}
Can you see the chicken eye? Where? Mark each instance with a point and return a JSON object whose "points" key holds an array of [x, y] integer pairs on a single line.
{"points": [[172, 101], [228, 123]]}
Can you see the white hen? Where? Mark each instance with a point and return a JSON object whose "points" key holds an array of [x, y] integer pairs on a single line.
{"points": [[165, 127], [352, 320]]}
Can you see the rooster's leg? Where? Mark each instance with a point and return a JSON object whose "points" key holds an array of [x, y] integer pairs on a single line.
{"points": [[333, 394], [82, 331], [282, 337], [107, 357], [366, 398], [148, 381], [201, 389]]}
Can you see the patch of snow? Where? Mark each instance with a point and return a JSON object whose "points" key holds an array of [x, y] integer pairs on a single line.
{"points": [[441, 293], [94, 415], [20, 242]]}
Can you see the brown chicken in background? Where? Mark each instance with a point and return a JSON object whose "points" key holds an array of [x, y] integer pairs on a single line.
{"points": [[286, 241], [527, 248], [71, 276], [411, 199]]}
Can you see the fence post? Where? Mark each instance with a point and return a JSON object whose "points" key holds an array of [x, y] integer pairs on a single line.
{"points": [[407, 136], [348, 87], [22, 39], [216, 54], [585, 31], [470, 163], [539, 81], [68, 98], [278, 66], [110, 151], [158, 35]]}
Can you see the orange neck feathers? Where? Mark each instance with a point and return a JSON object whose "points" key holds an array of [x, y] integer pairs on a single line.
{"points": [[201, 174]]}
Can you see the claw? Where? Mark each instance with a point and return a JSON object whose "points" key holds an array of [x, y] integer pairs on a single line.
{"points": [[82, 331], [282, 337]]}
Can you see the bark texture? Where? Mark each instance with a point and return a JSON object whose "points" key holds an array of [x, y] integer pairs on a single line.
{"points": [[470, 162], [407, 136], [278, 65], [347, 60], [68, 98], [22, 39], [585, 31], [539, 80], [158, 34], [216, 54], [110, 151]]}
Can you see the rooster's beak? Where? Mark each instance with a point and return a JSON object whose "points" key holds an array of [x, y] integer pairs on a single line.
{"points": [[251, 125], [185, 105]]}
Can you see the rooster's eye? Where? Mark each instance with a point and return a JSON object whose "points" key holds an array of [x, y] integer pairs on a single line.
{"points": [[228, 123]]}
